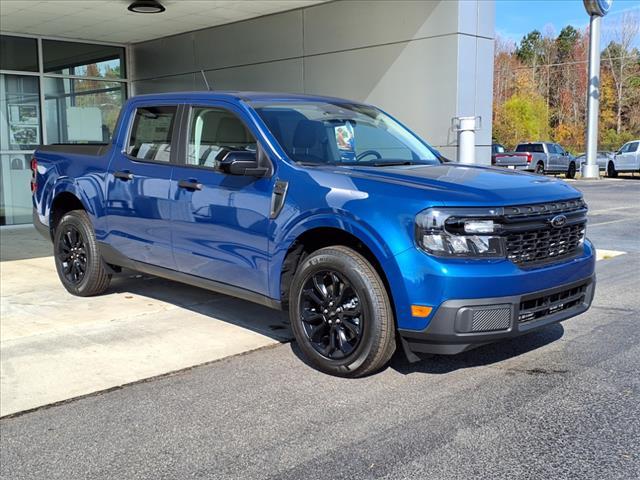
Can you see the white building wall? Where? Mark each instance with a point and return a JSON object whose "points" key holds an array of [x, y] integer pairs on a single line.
{"points": [[424, 62]]}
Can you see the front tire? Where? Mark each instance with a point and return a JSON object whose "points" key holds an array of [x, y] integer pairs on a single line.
{"points": [[571, 172], [341, 314], [611, 170], [77, 256]]}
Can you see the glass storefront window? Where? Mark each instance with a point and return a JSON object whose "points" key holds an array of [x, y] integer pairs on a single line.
{"points": [[15, 193], [18, 53], [83, 59], [81, 111], [75, 98], [19, 112]]}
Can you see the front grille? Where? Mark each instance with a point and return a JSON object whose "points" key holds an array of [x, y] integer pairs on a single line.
{"points": [[535, 308], [544, 244], [531, 238]]}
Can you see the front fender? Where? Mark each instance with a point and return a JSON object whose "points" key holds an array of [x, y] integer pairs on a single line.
{"points": [[345, 221]]}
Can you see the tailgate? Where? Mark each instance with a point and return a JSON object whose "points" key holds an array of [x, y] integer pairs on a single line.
{"points": [[512, 159]]}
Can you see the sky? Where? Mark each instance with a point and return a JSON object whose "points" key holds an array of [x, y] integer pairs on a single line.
{"points": [[516, 18]]}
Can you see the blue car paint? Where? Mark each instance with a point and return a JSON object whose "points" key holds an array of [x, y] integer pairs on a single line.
{"points": [[207, 234]]}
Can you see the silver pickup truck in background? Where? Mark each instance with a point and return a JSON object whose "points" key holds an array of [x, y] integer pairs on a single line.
{"points": [[539, 157], [627, 159]]}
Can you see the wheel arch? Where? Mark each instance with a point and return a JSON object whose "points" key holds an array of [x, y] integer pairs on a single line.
{"points": [[317, 234], [66, 197]]}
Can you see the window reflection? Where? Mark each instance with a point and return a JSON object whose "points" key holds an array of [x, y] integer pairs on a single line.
{"points": [[83, 59], [81, 111], [15, 194], [18, 53], [19, 112]]}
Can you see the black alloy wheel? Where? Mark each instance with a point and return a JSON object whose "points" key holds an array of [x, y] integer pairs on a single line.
{"points": [[77, 255], [330, 309], [341, 314], [540, 168], [72, 254]]}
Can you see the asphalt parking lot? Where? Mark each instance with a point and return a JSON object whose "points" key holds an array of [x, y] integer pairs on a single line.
{"points": [[561, 402]]}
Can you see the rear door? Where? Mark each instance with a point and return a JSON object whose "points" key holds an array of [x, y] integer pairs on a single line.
{"points": [[138, 182], [220, 221]]}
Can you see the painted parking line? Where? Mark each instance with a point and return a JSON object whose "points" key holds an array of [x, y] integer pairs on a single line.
{"points": [[602, 254], [607, 210], [591, 225]]}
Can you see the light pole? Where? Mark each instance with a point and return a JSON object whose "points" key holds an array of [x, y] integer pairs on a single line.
{"points": [[596, 9]]}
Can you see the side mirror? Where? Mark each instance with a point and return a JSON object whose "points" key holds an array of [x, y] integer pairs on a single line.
{"points": [[241, 162]]}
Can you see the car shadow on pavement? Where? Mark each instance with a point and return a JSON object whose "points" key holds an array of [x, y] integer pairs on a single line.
{"points": [[251, 316], [482, 356]]}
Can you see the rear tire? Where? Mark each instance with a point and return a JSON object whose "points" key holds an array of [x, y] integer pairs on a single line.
{"points": [[571, 172], [611, 170], [539, 168], [77, 256], [341, 314]]}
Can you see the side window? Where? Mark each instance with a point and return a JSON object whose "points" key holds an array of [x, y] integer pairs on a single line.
{"points": [[552, 148], [625, 148], [633, 147], [537, 148], [212, 131], [150, 137]]}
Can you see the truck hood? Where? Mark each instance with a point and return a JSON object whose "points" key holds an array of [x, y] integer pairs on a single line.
{"points": [[457, 184]]}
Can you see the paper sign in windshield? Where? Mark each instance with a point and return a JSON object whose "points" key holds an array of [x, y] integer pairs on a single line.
{"points": [[345, 140]]}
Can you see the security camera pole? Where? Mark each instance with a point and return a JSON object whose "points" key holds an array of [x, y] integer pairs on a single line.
{"points": [[596, 9]]}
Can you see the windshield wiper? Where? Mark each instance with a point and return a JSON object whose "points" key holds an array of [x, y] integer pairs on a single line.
{"points": [[392, 164]]}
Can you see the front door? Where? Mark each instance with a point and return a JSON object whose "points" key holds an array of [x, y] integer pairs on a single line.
{"points": [[563, 159], [220, 221], [553, 155], [138, 182], [625, 160]]}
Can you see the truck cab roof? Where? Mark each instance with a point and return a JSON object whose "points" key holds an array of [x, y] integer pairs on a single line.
{"points": [[247, 96]]}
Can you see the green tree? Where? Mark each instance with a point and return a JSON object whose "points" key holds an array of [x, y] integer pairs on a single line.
{"points": [[531, 48], [566, 42], [523, 117]]}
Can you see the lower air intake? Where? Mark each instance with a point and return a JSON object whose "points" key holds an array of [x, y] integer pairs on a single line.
{"points": [[491, 319]]}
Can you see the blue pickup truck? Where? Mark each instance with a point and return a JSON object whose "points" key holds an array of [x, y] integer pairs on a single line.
{"points": [[326, 207]]}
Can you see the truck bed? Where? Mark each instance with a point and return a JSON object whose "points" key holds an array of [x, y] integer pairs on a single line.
{"points": [[90, 149]]}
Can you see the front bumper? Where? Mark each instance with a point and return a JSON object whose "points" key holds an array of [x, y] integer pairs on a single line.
{"points": [[460, 325]]}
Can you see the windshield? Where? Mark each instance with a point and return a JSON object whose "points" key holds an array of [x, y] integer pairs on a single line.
{"points": [[342, 134]]}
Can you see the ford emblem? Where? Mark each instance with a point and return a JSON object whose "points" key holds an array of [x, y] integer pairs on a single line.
{"points": [[558, 221]]}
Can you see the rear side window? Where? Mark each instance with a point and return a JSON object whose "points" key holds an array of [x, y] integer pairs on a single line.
{"points": [[530, 147], [151, 132], [633, 147]]}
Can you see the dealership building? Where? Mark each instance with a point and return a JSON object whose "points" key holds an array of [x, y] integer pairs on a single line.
{"points": [[66, 67]]}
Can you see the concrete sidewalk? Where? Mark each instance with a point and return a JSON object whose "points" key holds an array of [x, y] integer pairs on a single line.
{"points": [[54, 346]]}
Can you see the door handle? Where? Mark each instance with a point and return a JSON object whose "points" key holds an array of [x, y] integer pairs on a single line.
{"points": [[190, 185], [124, 175]]}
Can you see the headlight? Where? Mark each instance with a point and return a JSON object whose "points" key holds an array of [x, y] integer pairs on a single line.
{"points": [[459, 232]]}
